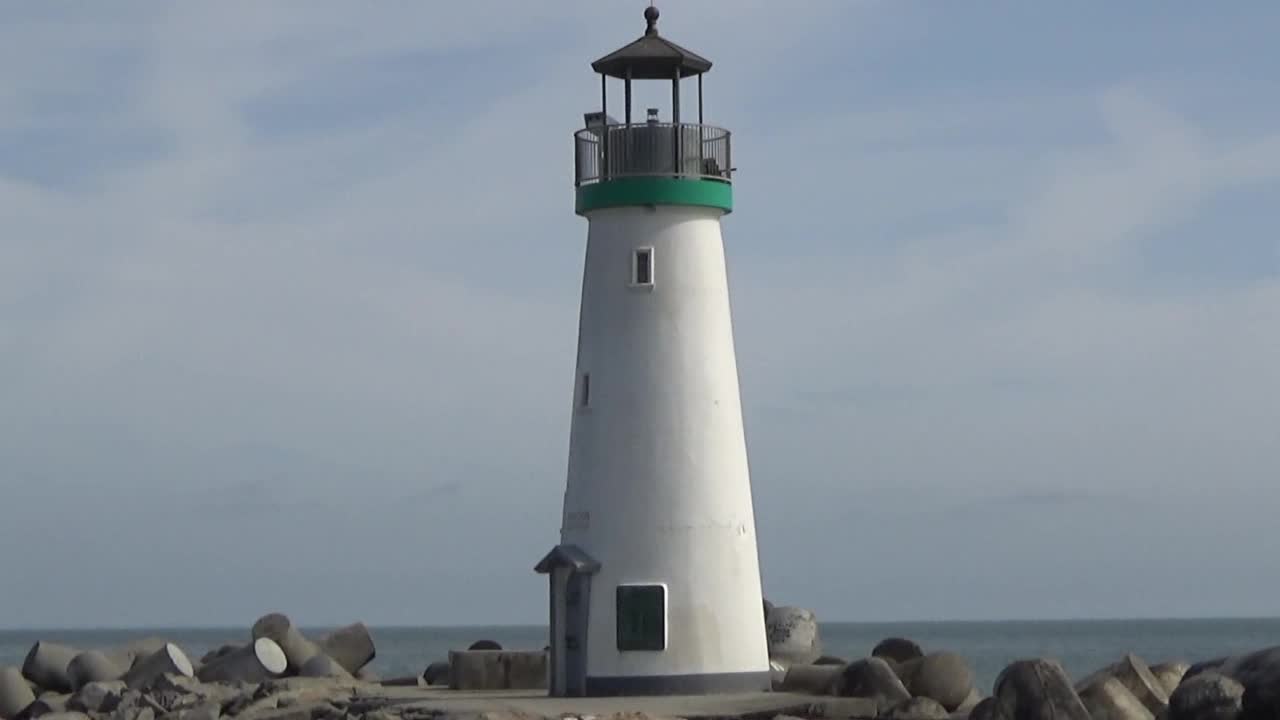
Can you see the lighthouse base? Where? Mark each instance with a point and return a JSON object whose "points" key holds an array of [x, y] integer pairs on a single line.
{"points": [[701, 684]]}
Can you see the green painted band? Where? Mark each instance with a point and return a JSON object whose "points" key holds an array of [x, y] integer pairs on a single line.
{"points": [[655, 191]]}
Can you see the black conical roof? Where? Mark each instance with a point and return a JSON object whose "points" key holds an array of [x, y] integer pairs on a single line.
{"points": [[651, 57]]}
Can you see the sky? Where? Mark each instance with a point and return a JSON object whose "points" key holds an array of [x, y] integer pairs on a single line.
{"points": [[288, 304]]}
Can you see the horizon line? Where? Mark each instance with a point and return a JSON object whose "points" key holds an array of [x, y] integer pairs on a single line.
{"points": [[509, 625]]}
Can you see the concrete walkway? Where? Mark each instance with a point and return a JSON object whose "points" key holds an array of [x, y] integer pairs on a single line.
{"points": [[538, 704]]}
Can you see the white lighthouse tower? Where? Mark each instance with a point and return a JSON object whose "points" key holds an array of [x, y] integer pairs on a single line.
{"points": [[655, 585]]}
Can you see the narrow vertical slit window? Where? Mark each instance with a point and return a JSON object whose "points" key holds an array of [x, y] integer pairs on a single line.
{"points": [[584, 394], [642, 267]]}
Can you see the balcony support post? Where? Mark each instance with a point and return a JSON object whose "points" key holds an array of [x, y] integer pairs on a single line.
{"points": [[675, 121]]}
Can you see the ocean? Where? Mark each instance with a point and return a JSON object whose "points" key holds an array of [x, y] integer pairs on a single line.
{"points": [[1081, 646]]}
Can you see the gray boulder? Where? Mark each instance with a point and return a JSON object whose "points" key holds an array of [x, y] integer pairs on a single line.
{"points": [[15, 693], [1206, 695], [1036, 690], [916, 708], [942, 676], [793, 635], [871, 678], [897, 650], [46, 665], [485, 645]]}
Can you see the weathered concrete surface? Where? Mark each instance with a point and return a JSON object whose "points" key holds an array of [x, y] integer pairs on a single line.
{"points": [[941, 676], [497, 669], [92, 666], [46, 665], [844, 707], [352, 646], [1036, 689], [297, 648], [15, 693], [897, 650], [871, 678], [811, 679], [258, 661], [168, 660], [1134, 673], [321, 665], [793, 635], [1206, 696], [125, 656], [1170, 674], [539, 705], [1106, 698]]}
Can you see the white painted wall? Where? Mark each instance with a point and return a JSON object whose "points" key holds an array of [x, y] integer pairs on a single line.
{"points": [[658, 484]]}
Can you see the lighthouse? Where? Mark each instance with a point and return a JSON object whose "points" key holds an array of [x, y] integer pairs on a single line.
{"points": [[655, 584]]}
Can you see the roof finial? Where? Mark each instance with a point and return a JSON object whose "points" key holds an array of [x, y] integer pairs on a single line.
{"points": [[651, 17]]}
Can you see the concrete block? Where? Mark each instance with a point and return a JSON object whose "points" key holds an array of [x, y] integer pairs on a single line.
{"points": [[297, 648], [168, 660], [15, 694], [92, 666], [124, 656], [352, 646], [258, 661], [46, 665], [498, 669]]}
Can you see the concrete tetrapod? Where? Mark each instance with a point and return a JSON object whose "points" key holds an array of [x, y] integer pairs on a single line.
{"points": [[1038, 689], [352, 646], [1170, 674], [92, 666], [168, 660], [1109, 699], [793, 635], [125, 656], [15, 694], [1134, 673], [46, 665], [942, 676], [321, 665], [297, 648], [1207, 696], [260, 660], [811, 679]]}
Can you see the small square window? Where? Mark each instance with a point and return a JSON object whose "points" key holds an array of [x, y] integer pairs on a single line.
{"points": [[642, 267], [642, 617]]}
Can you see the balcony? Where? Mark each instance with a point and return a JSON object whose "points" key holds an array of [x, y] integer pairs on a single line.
{"points": [[652, 149]]}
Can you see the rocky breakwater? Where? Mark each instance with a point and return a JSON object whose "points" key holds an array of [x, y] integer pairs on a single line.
{"points": [[277, 673], [900, 680]]}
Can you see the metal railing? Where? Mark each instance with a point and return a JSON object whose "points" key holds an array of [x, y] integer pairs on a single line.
{"points": [[651, 149]]}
